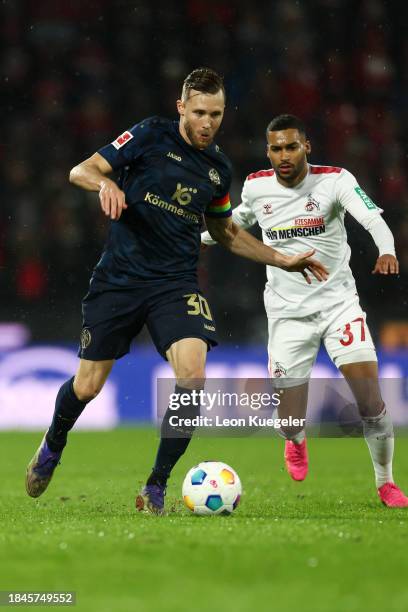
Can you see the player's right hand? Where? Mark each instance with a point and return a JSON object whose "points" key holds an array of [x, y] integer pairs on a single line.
{"points": [[303, 262], [112, 199]]}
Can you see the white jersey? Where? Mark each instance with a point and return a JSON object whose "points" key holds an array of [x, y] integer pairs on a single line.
{"points": [[309, 215]]}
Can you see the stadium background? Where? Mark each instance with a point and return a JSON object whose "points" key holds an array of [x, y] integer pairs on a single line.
{"points": [[75, 75]]}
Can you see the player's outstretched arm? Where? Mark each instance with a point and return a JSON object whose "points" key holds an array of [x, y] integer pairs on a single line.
{"points": [[91, 175], [240, 242], [355, 201], [241, 216]]}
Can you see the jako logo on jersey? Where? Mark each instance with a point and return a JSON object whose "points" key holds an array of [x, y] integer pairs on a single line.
{"points": [[267, 208], [311, 203], [279, 370], [174, 156], [214, 176], [122, 140], [183, 194], [209, 327]]}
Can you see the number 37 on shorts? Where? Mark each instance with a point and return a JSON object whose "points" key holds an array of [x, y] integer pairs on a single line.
{"points": [[351, 339], [354, 330]]}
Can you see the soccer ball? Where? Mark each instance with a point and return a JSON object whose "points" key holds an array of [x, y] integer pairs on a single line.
{"points": [[212, 487]]}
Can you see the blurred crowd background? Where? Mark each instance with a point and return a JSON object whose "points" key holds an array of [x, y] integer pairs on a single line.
{"points": [[75, 74]]}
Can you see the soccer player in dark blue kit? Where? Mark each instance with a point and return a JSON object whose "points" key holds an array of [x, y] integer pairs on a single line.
{"points": [[171, 174]]}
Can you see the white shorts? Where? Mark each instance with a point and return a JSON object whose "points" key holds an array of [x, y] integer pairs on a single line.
{"points": [[294, 343]]}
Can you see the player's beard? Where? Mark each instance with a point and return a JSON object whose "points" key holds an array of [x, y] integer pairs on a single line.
{"points": [[192, 138], [293, 175]]}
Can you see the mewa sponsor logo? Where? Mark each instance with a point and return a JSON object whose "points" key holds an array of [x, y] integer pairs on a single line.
{"points": [[366, 199]]}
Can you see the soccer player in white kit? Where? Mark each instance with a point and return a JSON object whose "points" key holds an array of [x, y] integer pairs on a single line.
{"points": [[297, 205]]}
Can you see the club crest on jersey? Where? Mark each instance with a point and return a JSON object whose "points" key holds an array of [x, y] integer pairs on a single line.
{"points": [[267, 209], [311, 204], [278, 370], [214, 176], [122, 140]]}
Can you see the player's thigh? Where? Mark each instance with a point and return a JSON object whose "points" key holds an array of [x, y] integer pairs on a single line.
{"points": [[111, 319], [179, 314], [347, 337], [90, 377], [293, 345], [187, 357], [350, 346]]}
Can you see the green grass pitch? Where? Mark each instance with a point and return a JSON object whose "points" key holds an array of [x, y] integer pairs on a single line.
{"points": [[324, 545]]}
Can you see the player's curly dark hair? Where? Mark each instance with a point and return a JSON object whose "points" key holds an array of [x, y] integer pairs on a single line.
{"points": [[203, 79], [286, 122]]}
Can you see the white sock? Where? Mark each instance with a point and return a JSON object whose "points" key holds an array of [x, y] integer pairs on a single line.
{"points": [[297, 438], [379, 435]]}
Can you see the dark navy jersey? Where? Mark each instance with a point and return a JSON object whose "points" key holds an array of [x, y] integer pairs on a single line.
{"points": [[168, 185]]}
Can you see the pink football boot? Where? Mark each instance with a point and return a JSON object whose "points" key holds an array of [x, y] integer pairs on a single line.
{"points": [[392, 496], [296, 459]]}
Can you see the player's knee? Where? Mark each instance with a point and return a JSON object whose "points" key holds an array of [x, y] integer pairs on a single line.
{"points": [[87, 389], [191, 376]]}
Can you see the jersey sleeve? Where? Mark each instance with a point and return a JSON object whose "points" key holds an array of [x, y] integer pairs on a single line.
{"points": [[354, 200], [243, 214], [127, 147], [220, 205]]}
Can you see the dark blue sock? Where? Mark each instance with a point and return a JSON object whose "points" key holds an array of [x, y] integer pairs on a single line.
{"points": [[174, 442], [67, 410]]}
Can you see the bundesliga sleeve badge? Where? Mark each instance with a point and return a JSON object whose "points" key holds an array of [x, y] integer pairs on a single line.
{"points": [[122, 140]]}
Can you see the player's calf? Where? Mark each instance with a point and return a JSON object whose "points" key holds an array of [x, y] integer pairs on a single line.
{"points": [[68, 408], [176, 434]]}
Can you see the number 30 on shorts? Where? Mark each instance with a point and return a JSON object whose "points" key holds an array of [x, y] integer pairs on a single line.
{"points": [[348, 335], [199, 305]]}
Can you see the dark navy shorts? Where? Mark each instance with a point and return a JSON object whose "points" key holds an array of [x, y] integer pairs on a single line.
{"points": [[112, 318]]}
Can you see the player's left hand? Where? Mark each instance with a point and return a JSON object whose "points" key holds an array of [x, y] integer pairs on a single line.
{"points": [[386, 264], [303, 262]]}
